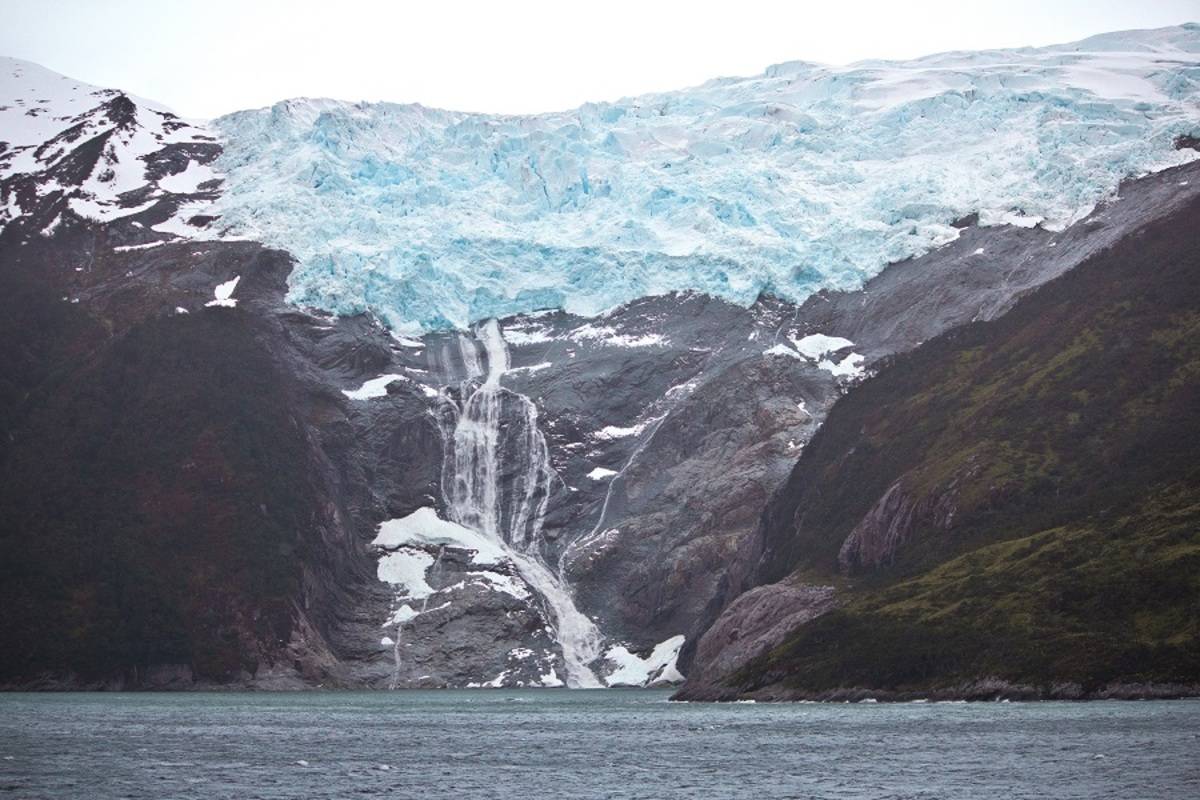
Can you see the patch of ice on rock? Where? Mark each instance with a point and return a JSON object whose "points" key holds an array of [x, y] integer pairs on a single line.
{"points": [[223, 293], [657, 666]]}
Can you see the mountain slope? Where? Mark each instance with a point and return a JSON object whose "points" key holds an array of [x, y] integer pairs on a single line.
{"points": [[154, 492], [209, 483], [71, 151], [1014, 501]]}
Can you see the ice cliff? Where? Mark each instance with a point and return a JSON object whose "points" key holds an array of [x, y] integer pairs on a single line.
{"points": [[804, 177]]}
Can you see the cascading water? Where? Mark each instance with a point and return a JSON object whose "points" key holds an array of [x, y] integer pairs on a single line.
{"points": [[496, 479]]}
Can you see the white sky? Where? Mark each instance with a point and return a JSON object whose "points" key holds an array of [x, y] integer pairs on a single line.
{"points": [[214, 56]]}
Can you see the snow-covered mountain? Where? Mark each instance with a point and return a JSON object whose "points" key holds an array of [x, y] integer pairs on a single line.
{"points": [[805, 177], [596, 344], [101, 153]]}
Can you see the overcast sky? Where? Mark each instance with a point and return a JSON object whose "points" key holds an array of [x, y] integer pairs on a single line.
{"points": [[207, 58]]}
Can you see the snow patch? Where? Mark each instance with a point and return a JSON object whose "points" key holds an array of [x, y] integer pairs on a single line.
{"points": [[179, 223], [617, 432], [125, 248], [816, 345], [406, 569], [376, 387], [188, 181], [424, 527], [223, 293], [658, 666], [781, 349], [533, 367], [550, 679], [402, 615], [612, 338], [504, 583], [523, 336], [849, 367]]}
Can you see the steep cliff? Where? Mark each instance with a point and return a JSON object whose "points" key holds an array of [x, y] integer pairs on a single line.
{"points": [[1013, 504]]}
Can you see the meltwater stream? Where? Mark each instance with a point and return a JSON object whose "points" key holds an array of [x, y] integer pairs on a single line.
{"points": [[496, 480]]}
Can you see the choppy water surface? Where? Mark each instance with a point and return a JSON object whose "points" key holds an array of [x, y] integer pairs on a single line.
{"points": [[611, 744]]}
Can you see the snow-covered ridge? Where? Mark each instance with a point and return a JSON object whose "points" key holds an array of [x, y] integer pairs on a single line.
{"points": [[804, 177], [95, 147]]}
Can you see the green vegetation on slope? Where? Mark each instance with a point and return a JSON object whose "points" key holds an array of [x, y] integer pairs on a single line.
{"points": [[1087, 605], [1049, 464]]}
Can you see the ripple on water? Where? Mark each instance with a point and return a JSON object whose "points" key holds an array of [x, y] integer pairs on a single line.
{"points": [[560, 744]]}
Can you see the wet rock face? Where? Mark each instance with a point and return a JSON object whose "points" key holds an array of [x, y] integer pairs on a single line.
{"points": [[639, 409], [675, 519], [611, 398], [468, 633]]}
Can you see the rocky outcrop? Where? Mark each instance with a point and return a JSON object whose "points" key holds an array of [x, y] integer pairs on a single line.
{"points": [[755, 623], [896, 518], [885, 527]]}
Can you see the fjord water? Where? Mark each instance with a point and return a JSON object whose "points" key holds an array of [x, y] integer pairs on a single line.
{"points": [[585, 744]]}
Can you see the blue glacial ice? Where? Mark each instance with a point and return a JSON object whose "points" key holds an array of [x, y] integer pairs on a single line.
{"points": [[807, 176]]}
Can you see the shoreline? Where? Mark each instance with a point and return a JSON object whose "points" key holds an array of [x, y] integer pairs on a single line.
{"points": [[983, 690]]}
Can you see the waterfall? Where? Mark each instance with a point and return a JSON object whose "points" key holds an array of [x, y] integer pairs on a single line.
{"points": [[496, 480]]}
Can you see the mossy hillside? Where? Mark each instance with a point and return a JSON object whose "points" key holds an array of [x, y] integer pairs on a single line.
{"points": [[1079, 400], [1119, 602], [1065, 434]]}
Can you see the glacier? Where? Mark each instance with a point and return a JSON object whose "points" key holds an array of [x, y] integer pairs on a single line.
{"points": [[805, 177]]}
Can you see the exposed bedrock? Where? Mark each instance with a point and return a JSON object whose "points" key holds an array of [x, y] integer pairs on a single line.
{"points": [[754, 623]]}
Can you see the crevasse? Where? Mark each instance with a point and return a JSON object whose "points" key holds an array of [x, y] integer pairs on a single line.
{"points": [[804, 177]]}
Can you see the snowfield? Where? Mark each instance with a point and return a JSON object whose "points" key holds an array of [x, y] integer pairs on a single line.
{"points": [[45, 116], [804, 177]]}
